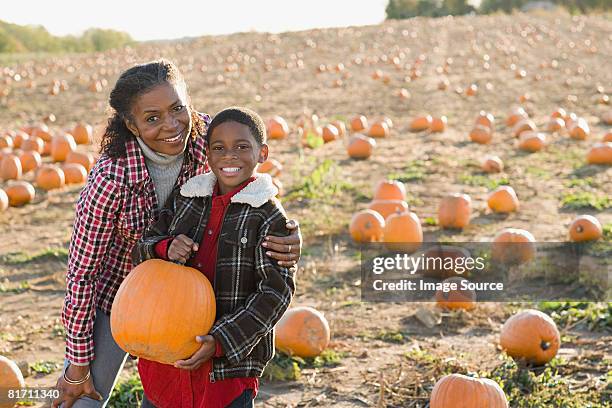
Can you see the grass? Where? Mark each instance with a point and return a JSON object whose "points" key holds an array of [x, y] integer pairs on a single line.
{"points": [[596, 316], [534, 389], [127, 393], [322, 183], [580, 182], [585, 200], [19, 258], [482, 181], [24, 286], [414, 171], [289, 368], [44, 367]]}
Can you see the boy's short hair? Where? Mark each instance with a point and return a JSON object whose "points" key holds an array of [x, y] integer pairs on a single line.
{"points": [[241, 115]]}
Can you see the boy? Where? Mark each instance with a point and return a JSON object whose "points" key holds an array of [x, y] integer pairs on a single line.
{"points": [[216, 223]]}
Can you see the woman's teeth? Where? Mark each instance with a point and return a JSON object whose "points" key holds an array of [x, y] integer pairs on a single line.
{"points": [[231, 169], [173, 139]]}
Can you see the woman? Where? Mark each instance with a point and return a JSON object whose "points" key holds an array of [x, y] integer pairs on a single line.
{"points": [[153, 143]]}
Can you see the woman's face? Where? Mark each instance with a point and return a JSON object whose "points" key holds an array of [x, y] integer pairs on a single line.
{"points": [[161, 117]]}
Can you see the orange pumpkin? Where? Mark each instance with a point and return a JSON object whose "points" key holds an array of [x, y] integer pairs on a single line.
{"points": [[10, 167], [19, 138], [388, 207], [471, 90], [449, 256], [403, 232], [34, 143], [83, 158], [458, 298], [6, 141], [530, 335], [503, 200], [82, 133], [560, 113], [421, 123], [454, 211], [162, 331], [42, 132], [555, 125], [338, 124], [492, 164], [20, 193], [30, 160], [438, 125], [481, 134], [379, 129], [525, 125], [50, 177], [579, 129], [360, 146], [303, 332], [390, 190], [607, 137], [600, 153], [61, 145], [74, 173], [359, 123], [277, 128], [270, 166], [330, 133], [570, 120], [4, 200], [518, 114], [485, 119], [513, 246], [10, 379], [454, 389], [585, 228], [367, 226], [532, 141]]}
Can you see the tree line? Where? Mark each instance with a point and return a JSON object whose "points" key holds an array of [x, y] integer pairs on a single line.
{"points": [[399, 9], [16, 38]]}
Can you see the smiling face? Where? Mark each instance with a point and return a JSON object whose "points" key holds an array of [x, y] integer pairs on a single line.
{"points": [[233, 154], [162, 119]]}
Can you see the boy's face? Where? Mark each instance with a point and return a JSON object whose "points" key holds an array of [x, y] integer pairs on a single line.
{"points": [[233, 154]]}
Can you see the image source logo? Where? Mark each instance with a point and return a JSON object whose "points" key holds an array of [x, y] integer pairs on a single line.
{"points": [[491, 272]]}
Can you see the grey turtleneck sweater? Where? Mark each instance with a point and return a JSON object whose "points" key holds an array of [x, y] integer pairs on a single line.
{"points": [[163, 169]]}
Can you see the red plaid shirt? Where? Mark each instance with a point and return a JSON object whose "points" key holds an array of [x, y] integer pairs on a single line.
{"points": [[116, 205]]}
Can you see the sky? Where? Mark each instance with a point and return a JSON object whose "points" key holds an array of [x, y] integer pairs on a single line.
{"points": [[155, 19]]}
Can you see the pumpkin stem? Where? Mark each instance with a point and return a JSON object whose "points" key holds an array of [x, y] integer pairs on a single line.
{"points": [[545, 345]]}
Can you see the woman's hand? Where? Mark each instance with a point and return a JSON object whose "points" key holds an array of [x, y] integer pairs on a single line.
{"points": [[181, 248], [286, 250], [205, 352], [70, 393]]}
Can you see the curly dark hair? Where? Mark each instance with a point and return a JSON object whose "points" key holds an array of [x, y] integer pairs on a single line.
{"points": [[131, 84], [241, 115]]}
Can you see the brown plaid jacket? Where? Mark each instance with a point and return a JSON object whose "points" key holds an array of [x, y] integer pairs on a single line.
{"points": [[252, 291]]}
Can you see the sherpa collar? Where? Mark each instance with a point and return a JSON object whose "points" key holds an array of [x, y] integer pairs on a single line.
{"points": [[255, 194]]}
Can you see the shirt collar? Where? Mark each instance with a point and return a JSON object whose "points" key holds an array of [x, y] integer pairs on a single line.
{"points": [[226, 198]]}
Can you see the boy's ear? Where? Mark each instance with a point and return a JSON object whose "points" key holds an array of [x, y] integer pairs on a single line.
{"points": [[263, 153], [131, 127]]}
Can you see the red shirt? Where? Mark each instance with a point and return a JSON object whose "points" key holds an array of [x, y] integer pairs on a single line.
{"points": [[167, 386]]}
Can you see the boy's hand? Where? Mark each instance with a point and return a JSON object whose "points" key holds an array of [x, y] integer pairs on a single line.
{"points": [[180, 248], [206, 351]]}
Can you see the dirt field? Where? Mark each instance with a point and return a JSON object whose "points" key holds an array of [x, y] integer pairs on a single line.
{"points": [[566, 61]]}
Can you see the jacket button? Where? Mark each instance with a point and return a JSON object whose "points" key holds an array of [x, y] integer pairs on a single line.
{"points": [[243, 240], [199, 265], [209, 232]]}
